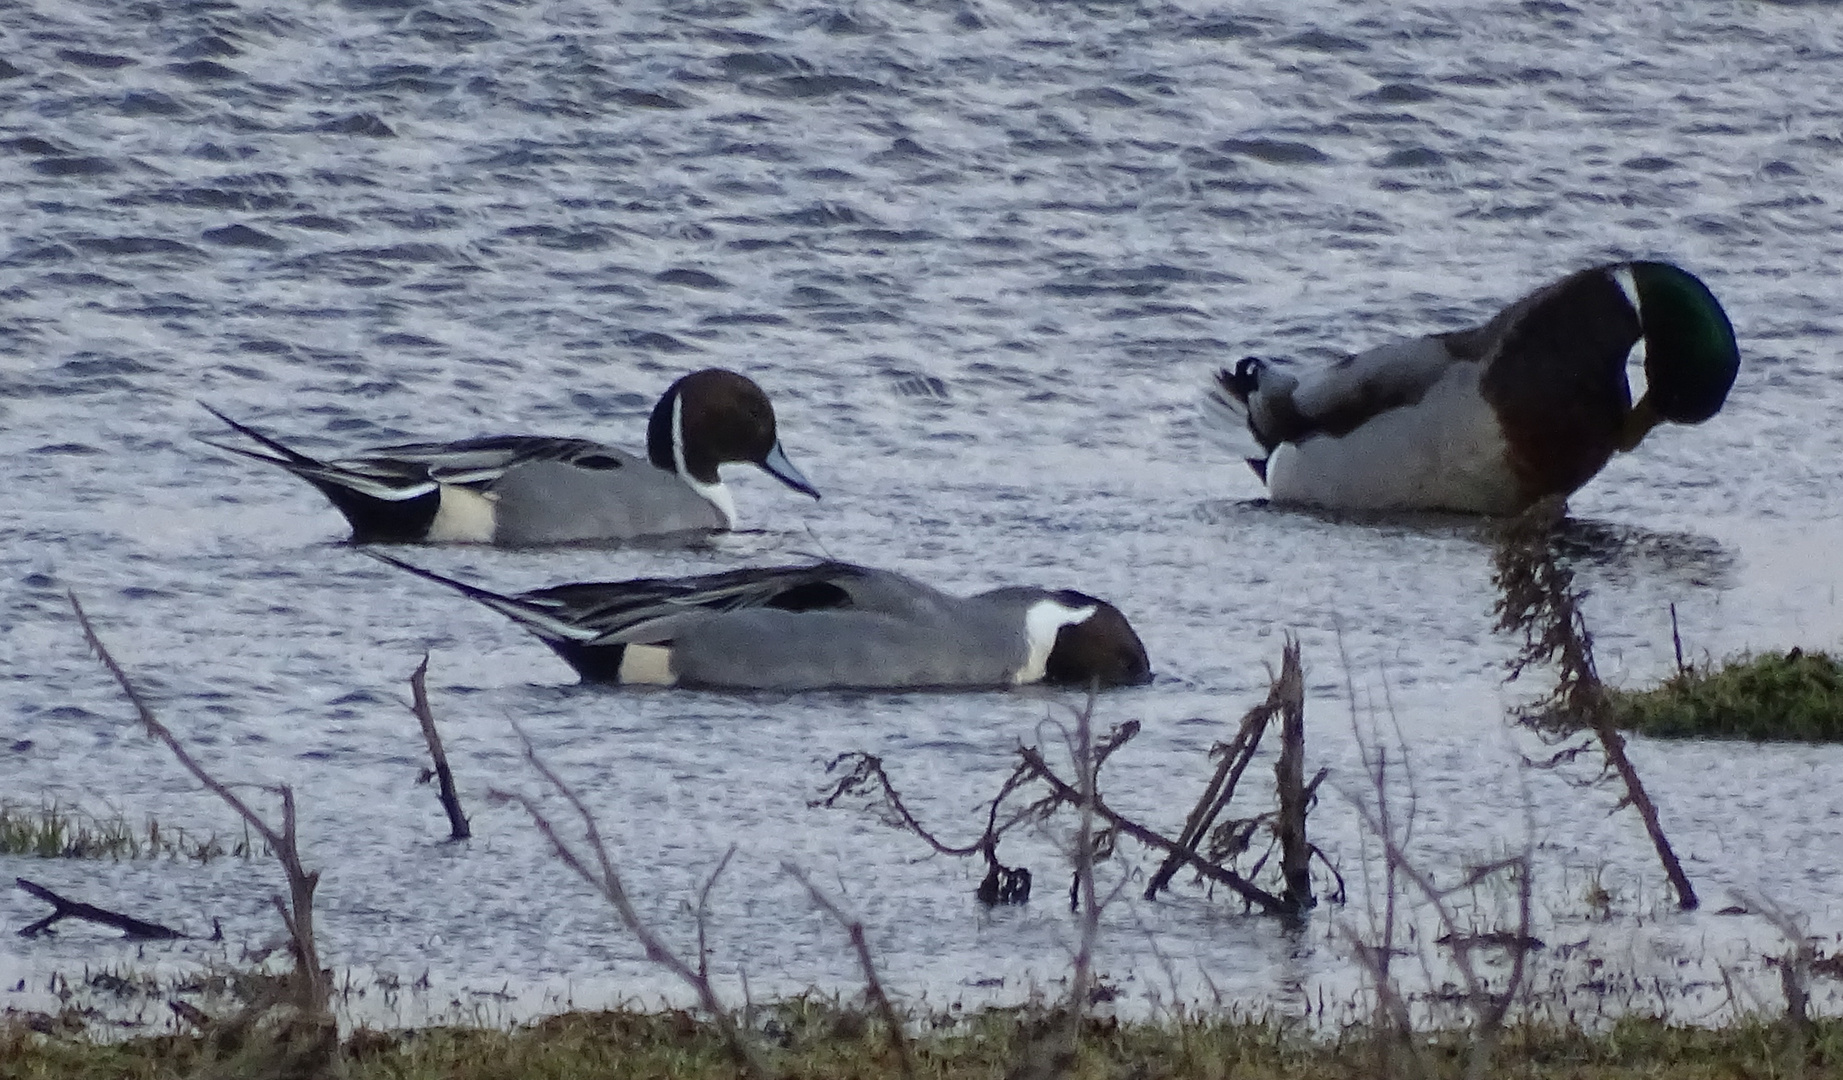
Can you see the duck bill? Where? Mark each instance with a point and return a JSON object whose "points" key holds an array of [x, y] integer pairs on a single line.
{"points": [[777, 466], [1638, 424]]}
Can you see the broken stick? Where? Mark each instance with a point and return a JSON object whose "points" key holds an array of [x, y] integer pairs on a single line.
{"points": [[66, 908], [458, 828]]}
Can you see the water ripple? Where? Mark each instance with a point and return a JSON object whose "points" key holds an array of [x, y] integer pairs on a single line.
{"points": [[982, 256]]}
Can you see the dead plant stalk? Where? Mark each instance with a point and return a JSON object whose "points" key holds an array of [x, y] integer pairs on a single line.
{"points": [[458, 829], [606, 880], [311, 988], [1537, 598], [873, 986]]}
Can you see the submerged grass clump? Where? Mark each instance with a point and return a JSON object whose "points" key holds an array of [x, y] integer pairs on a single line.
{"points": [[51, 831], [1792, 697]]}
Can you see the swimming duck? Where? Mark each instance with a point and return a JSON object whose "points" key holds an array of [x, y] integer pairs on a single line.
{"points": [[827, 625], [517, 490], [1487, 420]]}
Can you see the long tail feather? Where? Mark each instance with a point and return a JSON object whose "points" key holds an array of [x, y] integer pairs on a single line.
{"points": [[390, 489], [526, 613], [287, 454]]}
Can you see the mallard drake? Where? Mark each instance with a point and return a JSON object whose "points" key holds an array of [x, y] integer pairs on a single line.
{"points": [[517, 490], [827, 625], [1488, 420]]}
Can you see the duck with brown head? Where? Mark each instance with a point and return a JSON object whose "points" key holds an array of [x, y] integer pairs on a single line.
{"points": [[521, 490], [824, 626]]}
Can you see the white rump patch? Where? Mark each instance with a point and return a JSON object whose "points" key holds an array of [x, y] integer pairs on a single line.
{"points": [[1041, 624], [715, 494], [647, 665], [465, 516]]}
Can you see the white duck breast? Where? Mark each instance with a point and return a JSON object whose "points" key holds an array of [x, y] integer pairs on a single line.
{"points": [[1442, 451]]}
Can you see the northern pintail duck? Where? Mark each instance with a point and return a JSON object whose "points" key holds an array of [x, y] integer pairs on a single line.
{"points": [[827, 625], [517, 490], [1487, 420]]}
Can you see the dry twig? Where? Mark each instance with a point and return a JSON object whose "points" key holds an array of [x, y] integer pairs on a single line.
{"points": [[1289, 780], [1236, 756], [310, 983], [1285, 699], [873, 986], [1003, 884], [606, 880], [1489, 1008], [458, 828]]}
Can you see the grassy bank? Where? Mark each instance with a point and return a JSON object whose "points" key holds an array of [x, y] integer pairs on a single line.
{"points": [[1795, 696], [805, 1039]]}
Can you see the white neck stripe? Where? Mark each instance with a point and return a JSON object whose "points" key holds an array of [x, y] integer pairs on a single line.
{"points": [[715, 494], [1042, 623], [678, 434]]}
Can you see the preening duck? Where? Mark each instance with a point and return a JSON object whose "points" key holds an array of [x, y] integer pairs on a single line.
{"points": [[827, 625], [1532, 403], [517, 490]]}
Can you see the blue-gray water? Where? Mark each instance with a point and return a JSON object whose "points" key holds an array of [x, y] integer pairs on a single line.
{"points": [[982, 254]]}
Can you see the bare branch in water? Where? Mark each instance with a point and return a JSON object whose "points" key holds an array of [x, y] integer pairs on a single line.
{"points": [[1289, 780], [605, 879], [1286, 698], [65, 908], [1236, 756], [1086, 758], [702, 912], [1066, 792], [1794, 966], [458, 828], [310, 987], [1537, 598], [1464, 943], [1003, 884]]}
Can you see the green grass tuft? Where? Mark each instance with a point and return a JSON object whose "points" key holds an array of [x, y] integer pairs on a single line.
{"points": [[51, 831], [1792, 697]]}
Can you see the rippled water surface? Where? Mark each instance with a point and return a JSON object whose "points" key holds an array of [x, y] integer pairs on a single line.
{"points": [[982, 255]]}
